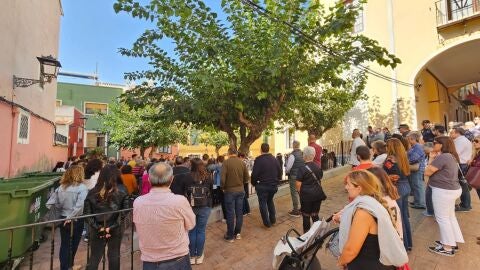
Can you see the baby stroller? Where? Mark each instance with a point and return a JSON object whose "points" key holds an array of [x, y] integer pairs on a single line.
{"points": [[299, 252]]}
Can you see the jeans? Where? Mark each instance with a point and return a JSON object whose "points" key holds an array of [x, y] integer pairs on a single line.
{"points": [[265, 194], [69, 244], [418, 188], [234, 208], [197, 234], [428, 200], [97, 249], [293, 192], [246, 205], [444, 203], [182, 263], [404, 191], [465, 199]]}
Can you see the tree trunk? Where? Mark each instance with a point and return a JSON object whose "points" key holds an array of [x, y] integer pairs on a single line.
{"points": [[247, 140], [217, 150], [150, 155], [232, 141], [142, 152]]}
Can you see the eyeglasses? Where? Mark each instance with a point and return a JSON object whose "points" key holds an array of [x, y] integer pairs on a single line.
{"points": [[476, 141]]}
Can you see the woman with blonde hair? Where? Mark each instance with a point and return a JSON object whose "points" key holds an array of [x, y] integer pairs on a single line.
{"points": [[367, 236], [397, 167], [70, 196], [390, 195]]}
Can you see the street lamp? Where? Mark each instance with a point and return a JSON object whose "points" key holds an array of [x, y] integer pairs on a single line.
{"points": [[49, 67]]}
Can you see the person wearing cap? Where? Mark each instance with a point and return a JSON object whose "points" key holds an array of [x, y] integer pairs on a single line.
{"points": [[427, 132], [464, 151], [404, 130]]}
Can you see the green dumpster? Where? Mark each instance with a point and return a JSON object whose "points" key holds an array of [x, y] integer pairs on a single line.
{"points": [[22, 201]]}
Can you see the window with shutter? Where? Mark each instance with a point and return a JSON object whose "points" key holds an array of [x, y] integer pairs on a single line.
{"points": [[23, 134]]}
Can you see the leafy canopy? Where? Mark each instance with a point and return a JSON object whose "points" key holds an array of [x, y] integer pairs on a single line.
{"points": [[245, 71], [139, 128]]}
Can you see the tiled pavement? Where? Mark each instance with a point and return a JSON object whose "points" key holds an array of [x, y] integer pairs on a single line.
{"points": [[255, 249]]}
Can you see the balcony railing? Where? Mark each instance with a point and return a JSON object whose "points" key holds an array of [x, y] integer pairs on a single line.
{"points": [[60, 139], [450, 11]]}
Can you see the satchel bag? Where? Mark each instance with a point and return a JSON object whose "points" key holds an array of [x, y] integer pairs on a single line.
{"points": [[415, 167], [55, 208], [462, 178], [323, 196], [473, 177]]}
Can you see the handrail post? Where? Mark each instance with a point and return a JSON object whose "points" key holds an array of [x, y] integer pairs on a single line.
{"points": [[52, 248], [10, 250], [131, 255], [32, 248], [342, 150]]}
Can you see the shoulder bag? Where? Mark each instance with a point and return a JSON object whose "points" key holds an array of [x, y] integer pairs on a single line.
{"points": [[473, 177], [55, 208], [323, 196], [461, 177]]}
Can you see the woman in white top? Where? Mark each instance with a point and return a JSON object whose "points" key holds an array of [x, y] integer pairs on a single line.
{"points": [[92, 170]]}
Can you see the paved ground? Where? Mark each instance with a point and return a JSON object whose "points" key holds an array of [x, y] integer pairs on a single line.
{"points": [[255, 250]]}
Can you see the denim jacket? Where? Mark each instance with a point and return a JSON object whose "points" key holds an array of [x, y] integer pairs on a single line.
{"points": [[72, 199]]}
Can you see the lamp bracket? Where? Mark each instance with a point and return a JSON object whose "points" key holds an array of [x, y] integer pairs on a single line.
{"points": [[25, 82]]}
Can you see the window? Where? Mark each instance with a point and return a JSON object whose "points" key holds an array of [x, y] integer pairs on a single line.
{"points": [[58, 103], [93, 108], [458, 9], [358, 26], [95, 140], [289, 137], [164, 149], [23, 134]]}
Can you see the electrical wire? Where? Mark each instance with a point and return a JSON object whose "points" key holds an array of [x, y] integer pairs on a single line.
{"points": [[294, 29]]}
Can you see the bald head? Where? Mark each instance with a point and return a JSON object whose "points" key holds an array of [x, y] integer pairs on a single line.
{"points": [[160, 175]]}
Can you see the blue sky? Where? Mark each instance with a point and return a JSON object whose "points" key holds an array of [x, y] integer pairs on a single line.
{"points": [[91, 33]]}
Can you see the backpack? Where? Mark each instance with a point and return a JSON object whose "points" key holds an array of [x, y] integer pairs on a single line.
{"points": [[199, 194]]}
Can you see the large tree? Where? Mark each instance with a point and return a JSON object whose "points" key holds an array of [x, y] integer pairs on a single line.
{"points": [[245, 71], [217, 139], [139, 128]]}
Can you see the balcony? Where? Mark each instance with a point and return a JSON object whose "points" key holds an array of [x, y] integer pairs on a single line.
{"points": [[60, 139], [451, 12]]}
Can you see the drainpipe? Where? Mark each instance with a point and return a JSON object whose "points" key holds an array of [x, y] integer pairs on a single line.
{"points": [[391, 29], [11, 137]]}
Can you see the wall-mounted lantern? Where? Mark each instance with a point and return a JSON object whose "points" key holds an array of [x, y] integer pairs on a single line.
{"points": [[49, 67]]}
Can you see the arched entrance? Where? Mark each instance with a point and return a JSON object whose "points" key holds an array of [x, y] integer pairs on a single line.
{"points": [[447, 85]]}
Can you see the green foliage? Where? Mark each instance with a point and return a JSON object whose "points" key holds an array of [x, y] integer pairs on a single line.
{"points": [[97, 152], [214, 138], [244, 73], [139, 128]]}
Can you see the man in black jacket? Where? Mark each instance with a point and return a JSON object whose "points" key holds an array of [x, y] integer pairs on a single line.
{"points": [[182, 178], [265, 175]]}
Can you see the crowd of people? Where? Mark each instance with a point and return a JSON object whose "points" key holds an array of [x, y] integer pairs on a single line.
{"points": [[172, 199]]}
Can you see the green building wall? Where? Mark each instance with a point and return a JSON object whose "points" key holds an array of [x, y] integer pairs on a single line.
{"points": [[76, 95]]}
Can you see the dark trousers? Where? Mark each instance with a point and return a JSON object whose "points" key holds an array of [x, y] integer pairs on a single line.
{"points": [[246, 205], [97, 249], [428, 200], [465, 199], [221, 199], [69, 243], [265, 194], [234, 208], [182, 263]]}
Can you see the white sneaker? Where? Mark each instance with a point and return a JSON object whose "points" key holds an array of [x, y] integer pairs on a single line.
{"points": [[200, 259], [193, 260], [238, 236]]}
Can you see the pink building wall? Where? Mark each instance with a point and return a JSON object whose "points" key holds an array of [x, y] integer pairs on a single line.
{"points": [[38, 155]]}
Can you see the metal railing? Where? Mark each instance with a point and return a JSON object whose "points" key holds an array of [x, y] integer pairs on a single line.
{"points": [[338, 154], [35, 227], [451, 10]]}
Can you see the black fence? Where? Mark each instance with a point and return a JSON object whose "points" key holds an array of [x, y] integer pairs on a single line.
{"points": [[45, 230]]}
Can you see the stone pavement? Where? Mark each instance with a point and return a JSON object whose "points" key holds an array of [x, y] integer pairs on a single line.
{"points": [[255, 250]]}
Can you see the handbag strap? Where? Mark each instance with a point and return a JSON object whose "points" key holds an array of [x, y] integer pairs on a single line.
{"points": [[310, 170], [460, 169]]}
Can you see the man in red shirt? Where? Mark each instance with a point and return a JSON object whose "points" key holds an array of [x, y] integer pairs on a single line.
{"points": [[318, 149], [363, 155]]}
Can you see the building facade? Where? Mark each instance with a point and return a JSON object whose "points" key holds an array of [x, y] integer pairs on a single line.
{"points": [[30, 29], [438, 42], [88, 100]]}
